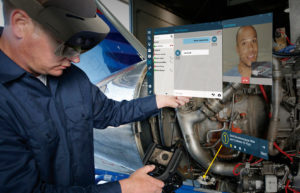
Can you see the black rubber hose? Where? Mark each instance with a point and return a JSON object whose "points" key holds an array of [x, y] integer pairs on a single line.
{"points": [[286, 54]]}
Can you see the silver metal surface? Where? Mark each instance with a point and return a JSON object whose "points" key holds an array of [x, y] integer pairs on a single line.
{"points": [[294, 6], [277, 97], [161, 156], [141, 91], [127, 35], [115, 147], [123, 85], [297, 179], [188, 119], [203, 157], [271, 183]]}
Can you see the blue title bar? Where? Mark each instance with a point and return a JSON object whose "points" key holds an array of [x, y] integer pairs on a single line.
{"points": [[189, 28], [250, 20]]}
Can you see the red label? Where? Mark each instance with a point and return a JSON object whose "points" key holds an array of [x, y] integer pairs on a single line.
{"points": [[245, 80]]}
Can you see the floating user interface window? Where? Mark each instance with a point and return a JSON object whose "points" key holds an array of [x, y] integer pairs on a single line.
{"points": [[185, 60]]}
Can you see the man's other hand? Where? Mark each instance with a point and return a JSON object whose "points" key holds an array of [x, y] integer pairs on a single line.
{"points": [[140, 181], [171, 101]]}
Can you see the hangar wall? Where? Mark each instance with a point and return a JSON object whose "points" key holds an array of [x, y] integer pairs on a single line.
{"points": [[294, 19], [146, 15], [1, 15]]}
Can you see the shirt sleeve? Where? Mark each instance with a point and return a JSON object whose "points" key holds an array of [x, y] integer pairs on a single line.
{"points": [[107, 112], [19, 172]]}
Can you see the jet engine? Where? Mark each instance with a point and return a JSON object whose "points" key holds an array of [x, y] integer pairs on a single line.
{"points": [[270, 113]]}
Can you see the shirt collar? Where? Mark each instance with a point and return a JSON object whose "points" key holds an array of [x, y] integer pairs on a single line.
{"points": [[9, 70]]}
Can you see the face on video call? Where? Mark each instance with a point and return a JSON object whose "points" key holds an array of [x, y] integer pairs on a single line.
{"points": [[247, 47]]}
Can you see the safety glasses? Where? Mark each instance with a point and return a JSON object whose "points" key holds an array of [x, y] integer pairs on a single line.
{"points": [[63, 50]]}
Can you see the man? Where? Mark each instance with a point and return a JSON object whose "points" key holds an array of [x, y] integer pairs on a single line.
{"points": [[48, 107], [247, 49]]}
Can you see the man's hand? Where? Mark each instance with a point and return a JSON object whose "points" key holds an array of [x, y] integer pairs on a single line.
{"points": [[171, 101], [140, 181]]}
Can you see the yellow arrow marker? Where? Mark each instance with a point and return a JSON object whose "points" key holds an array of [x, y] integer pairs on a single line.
{"points": [[212, 162]]}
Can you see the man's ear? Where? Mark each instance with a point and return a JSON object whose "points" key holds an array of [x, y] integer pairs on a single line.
{"points": [[20, 22]]}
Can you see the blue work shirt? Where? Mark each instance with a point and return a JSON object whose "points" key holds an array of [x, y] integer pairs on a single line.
{"points": [[233, 72], [46, 132]]}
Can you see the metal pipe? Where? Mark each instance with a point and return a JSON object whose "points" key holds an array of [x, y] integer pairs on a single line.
{"points": [[229, 90], [277, 97], [213, 106], [118, 25], [187, 120]]}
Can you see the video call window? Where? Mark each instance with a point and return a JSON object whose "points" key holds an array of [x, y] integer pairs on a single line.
{"points": [[247, 50], [195, 60]]}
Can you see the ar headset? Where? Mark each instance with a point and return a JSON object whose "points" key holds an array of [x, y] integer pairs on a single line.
{"points": [[77, 31]]}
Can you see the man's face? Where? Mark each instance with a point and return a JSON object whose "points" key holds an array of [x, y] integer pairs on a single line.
{"points": [[247, 46], [39, 48]]}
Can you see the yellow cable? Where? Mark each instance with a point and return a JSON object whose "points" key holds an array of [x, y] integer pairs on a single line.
{"points": [[212, 162]]}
